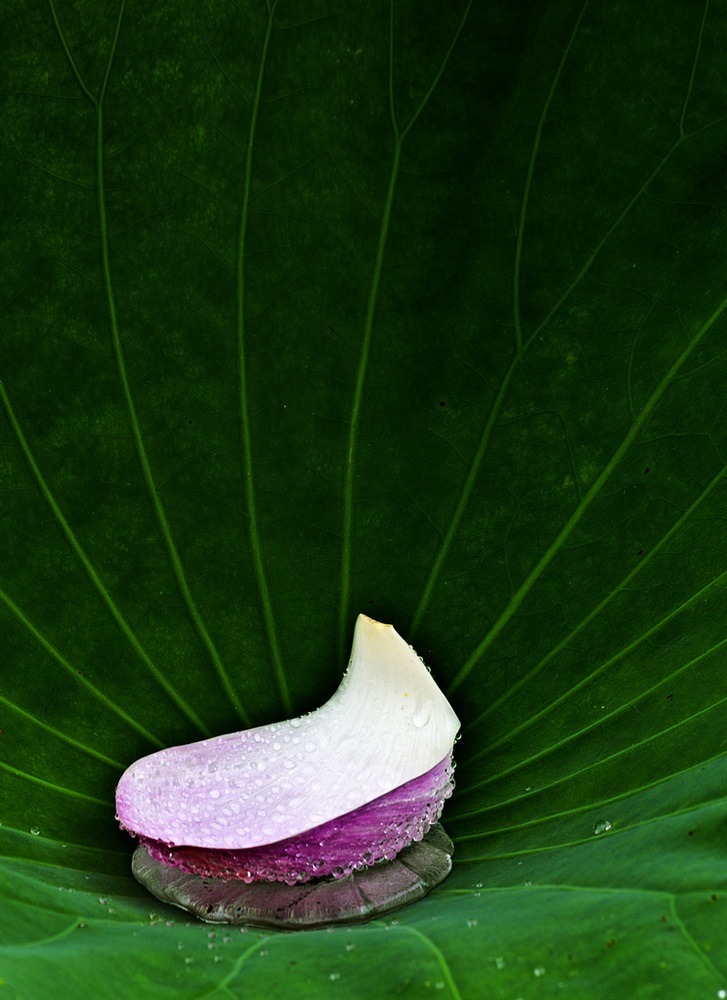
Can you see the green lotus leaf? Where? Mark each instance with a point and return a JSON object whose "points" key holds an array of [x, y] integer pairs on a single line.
{"points": [[412, 310]]}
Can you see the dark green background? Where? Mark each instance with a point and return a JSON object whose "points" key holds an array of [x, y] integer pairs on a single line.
{"points": [[312, 309]]}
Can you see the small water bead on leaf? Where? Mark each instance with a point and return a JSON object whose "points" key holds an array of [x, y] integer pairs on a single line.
{"points": [[602, 826], [371, 780]]}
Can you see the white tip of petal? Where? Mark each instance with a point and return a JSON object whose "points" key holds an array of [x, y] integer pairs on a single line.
{"points": [[387, 724], [388, 694]]}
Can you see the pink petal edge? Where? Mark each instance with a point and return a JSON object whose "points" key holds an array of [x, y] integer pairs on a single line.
{"points": [[373, 832], [387, 724]]}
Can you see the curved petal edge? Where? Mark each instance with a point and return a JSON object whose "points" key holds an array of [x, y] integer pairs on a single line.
{"points": [[329, 794]]}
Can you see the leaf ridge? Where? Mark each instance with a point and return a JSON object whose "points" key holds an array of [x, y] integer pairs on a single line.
{"points": [[588, 807], [517, 318], [600, 607], [245, 429], [64, 737], [479, 455], [439, 956], [695, 63], [354, 419], [94, 577], [75, 674], [553, 747], [350, 459], [51, 939], [595, 489], [695, 947], [596, 764], [52, 786], [142, 455], [235, 971]]}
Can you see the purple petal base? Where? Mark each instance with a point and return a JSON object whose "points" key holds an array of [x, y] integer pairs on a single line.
{"points": [[371, 833]]}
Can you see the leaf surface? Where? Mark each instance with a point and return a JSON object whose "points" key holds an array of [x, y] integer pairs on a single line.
{"points": [[418, 311]]}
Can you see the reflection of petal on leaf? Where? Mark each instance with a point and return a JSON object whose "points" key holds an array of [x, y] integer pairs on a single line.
{"points": [[352, 899]]}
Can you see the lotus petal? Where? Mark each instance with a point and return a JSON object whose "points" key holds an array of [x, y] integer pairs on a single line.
{"points": [[347, 786], [374, 832]]}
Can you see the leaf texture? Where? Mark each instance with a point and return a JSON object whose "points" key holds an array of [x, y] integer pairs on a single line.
{"points": [[415, 310]]}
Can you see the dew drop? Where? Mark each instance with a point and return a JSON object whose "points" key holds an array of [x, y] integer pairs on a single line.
{"points": [[334, 976], [422, 714], [602, 826], [539, 971], [499, 962], [35, 830], [295, 723]]}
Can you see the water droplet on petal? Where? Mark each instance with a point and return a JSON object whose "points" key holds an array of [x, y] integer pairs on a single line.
{"points": [[422, 714]]}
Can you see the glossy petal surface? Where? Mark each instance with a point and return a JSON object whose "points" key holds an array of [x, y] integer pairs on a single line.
{"points": [[371, 833], [387, 724]]}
